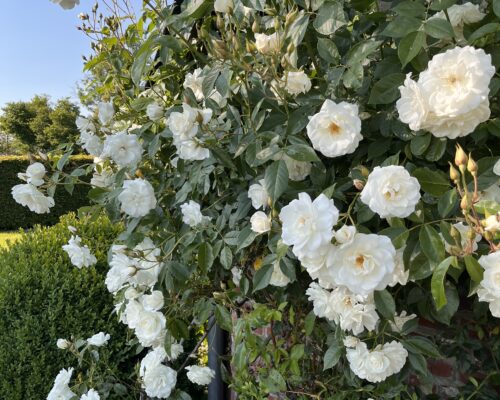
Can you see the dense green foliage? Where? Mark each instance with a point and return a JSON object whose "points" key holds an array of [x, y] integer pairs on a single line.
{"points": [[43, 297], [38, 124], [13, 216]]}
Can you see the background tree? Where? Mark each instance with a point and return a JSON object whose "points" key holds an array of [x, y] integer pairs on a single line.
{"points": [[62, 127]]}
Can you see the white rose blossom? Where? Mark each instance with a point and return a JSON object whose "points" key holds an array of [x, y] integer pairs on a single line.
{"points": [[103, 179], [91, 143], [85, 125], [66, 4], [200, 375], [153, 301], [123, 148], [391, 192], [260, 222], [365, 265], [492, 223], [191, 214], [80, 255], [154, 111], [496, 168], [137, 198], [106, 112], [278, 278], [99, 339], [307, 224], [194, 81], [63, 344], [400, 274], [378, 364], [400, 320], [461, 14], [267, 44], [150, 328], [91, 395], [489, 287], [29, 196], [157, 379], [223, 6], [34, 174], [336, 129], [258, 194], [236, 273], [297, 82], [60, 390]]}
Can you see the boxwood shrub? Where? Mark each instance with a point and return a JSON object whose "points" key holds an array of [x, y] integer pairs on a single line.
{"points": [[43, 298], [14, 216]]}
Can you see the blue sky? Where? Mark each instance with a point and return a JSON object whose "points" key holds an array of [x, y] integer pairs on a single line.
{"points": [[41, 49]]}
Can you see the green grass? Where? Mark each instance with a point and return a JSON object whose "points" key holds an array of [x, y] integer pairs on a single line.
{"points": [[6, 237]]}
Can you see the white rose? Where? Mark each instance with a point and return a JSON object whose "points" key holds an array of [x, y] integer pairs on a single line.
{"points": [[336, 129], [191, 213], [345, 234], [315, 265], [400, 320], [400, 274], [132, 313], [237, 273], [153, 301], [223, 6], [191, 150], [176, 350], [147, 263], [461, 14], [496, 168], [99, 339], [391, 192], [91, 395], [183, 125], [297, 82], [351, 341], [80, 255], [491, 276], [159, 381], [260, 222], [63, 344], [267, 44], [124, 149], [60, 390], [307, 224], [278, 278], [85, 125], [412, 107], [364, 265], [200, 375], [150, 328], [194, 81], [103, 179], [29, 196], [34, 174], [66, 4], [137, 198], [106, 112], [122, 268], [154, 111], [258, 194], [152, 359], [492, 223], [297, 170], [378, 364], [91, 143]]}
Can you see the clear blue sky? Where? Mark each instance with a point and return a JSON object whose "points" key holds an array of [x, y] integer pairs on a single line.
{"points": [[41, 49]]}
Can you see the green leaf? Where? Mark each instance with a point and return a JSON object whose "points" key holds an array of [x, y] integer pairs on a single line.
{"points": [[297, 352], [309, 323], [205, 256], [484, 30], [302, 152], [141, 58], [262, 277], [410, 46], [332, 356], [437, 282], [330, 18], [398, 234], [473, 268], [245, 238], [276, 179], [178, 328], [402, 26], [432, 182], [496, 7], [419, 363], [226, 257], [223, 317], [410, 8], [384, 303], [386, 90], [328, 51], [419, 144], [360, 51], [447, 203], [438, 5], [431, 243], [436, 149], [421, 345], [439, 28], [445, 314]]}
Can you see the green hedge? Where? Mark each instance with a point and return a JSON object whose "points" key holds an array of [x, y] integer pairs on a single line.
{"points": [[14, 216], [43, 298]]}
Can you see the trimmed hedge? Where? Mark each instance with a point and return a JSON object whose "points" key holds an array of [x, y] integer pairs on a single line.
{"points": [[14, 216], [43, 298]]}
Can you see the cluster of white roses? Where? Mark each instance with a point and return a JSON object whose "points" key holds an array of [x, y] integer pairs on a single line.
{"points": [[28, 194], [450, 98], [79, 254], [489, 287]]}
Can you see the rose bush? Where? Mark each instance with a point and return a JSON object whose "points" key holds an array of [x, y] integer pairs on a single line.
{"points": [[301, 166]]}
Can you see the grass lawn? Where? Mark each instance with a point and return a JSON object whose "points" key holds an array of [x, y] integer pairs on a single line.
{"points": [[8, 237]]}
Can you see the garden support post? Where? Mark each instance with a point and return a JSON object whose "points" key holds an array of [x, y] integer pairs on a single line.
{"points": [[216, 348]]}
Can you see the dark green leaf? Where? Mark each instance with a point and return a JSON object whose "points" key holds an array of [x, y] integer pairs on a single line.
{"points": [[398, 234], [436, 149], [302, 152], [276, 179], [419, 144], [419, 363], [410, 46], [330, 18], [223, 317], [484, 30], [473, 268], [421, 345], [226, 257], [386, 90], [328, 51], [384, 304], [332, 356], [410, 8], [262, 277], [447, 203], [437, 282], [205, 256], [432, 182], [431, 243], [439, 28], [438, 5]]}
